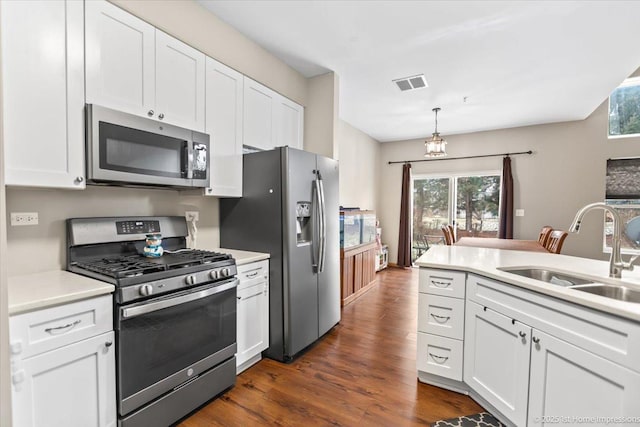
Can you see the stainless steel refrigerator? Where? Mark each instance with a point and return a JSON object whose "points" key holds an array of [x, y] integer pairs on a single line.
{"points": [[289, 209]]}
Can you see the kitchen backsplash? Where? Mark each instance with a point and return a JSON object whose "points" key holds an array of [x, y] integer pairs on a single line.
{"points": [[43, 247]]}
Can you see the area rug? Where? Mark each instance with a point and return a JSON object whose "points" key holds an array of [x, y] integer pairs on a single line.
{"points": [[483, 419]]}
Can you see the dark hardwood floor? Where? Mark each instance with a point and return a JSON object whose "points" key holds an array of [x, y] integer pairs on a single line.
{"points": [[362, 373]]}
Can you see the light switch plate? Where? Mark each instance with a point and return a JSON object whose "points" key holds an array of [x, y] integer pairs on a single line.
{"points": [[519, 212]]}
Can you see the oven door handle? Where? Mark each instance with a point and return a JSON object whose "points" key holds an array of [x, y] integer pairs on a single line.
{"points": [[128, 313]]}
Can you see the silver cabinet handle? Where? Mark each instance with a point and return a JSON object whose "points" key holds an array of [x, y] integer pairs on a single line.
{"points": [[151, 113], [161, 116], [522, 334], [436, 358], [251, 275], [445, 318], [66, 327], [535, 340], [79, 180], [441, 284]]}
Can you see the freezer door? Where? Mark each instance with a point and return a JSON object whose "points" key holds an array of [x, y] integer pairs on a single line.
{"points": [[329, 276], [300, 284]]}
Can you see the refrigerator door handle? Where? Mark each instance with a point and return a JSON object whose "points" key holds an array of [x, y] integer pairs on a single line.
{"points": [[316, 224], [323, 226]]}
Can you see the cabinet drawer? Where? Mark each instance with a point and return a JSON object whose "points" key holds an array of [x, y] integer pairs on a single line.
{"points": [[440, 315], [252, 273], [440, 356], [43, 330], [442, 282]]}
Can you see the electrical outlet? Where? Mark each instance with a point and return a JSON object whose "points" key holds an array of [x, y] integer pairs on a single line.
{"points": [[519, 212], [192, 216], [24, 218]]}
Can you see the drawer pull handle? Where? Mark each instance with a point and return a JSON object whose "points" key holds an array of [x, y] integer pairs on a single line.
{"points": [[441, 284], [68, 327], [440, 319], [252, 275], [522, 334], [437, 358], [536, 340]]}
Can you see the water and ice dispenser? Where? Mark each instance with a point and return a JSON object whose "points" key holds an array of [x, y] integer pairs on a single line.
{"points": [[303, 222]]}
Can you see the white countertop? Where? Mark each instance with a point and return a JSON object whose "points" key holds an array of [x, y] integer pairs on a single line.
{"points": [[42, 290], [243, 257], [485, 261]]}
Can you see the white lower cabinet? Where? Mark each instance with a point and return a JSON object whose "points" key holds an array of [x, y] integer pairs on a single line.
{"points": [[71, 386], [63, 366], [496, 363], [574, 386], [530, 359], [253, 313]]}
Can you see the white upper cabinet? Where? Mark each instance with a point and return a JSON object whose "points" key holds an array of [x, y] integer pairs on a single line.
{"points": [[270, 119], [259, 115], [224, 100], [120, 59], [180, 83], [133, 67], [43, 101], [290, 123]]}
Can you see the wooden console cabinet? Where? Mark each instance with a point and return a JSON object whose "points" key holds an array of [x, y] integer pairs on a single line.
{"points": [[357, 271]]}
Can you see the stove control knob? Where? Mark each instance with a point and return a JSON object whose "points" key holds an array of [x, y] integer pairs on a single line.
{"points": [[213, 274], [224, 272], [190, 280], [146, 290]]}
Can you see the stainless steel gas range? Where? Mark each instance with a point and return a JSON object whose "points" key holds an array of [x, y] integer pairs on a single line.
{"points": [[174, 315]]}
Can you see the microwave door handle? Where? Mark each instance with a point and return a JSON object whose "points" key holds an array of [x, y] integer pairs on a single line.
{"points": [[128, 313], [189, 159]]}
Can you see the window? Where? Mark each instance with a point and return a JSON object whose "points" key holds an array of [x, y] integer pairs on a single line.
{"points": [[469, 202], [624, 109]]}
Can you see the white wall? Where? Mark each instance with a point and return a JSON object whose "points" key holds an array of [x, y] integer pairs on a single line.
{"points": [[359, 160], [566, 171]]}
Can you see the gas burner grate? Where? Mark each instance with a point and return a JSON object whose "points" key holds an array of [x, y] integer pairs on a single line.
{"points": [[137, 265]]}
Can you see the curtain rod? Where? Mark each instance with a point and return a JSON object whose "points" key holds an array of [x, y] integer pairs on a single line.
{"points": [[460, 158]]}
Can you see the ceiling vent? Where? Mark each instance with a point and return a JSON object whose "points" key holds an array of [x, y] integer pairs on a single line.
{"points": [[411, 83]]}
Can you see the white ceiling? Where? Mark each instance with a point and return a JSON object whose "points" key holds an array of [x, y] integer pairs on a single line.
{"points": [[518, 62]]}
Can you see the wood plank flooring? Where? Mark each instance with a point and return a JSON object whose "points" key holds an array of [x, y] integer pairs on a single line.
{"points": [[362, 373]]}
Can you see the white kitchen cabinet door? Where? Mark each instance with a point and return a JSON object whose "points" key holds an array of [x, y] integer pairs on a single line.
{"points": [[259, 115], [253, 321], [567, 381], [43, 84], [289, 123], [180, 83], [120, 60], [496, 360], [224, 99], [71, 386]]}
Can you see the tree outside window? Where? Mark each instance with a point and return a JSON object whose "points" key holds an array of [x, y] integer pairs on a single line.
{"points": [[624, 109]]}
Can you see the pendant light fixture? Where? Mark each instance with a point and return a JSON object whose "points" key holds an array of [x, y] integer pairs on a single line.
{"points": [[436, 144]]}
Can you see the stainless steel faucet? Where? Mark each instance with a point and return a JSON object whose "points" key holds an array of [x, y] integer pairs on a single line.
{"points": [[616, 264]]}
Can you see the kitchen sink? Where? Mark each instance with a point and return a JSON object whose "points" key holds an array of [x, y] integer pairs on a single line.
{"points": [[549, 276], [617, 292]]}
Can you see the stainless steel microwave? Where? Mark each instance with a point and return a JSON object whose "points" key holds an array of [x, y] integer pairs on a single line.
{"points": [[125, 149]]}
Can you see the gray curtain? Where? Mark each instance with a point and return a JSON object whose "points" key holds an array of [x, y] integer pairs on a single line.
{"points": [[505, 229], [404, 237]]}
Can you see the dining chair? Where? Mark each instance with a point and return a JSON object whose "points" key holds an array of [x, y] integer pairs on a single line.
{"points": [[452, 231], [544, 235], [448, 237], [555, 241]]}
